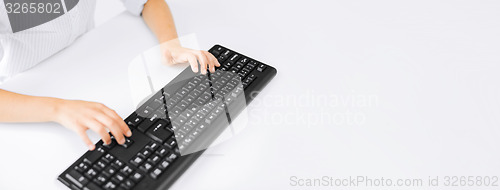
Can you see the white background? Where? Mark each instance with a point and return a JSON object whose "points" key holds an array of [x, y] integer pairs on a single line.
{"points": [[431, 66]]}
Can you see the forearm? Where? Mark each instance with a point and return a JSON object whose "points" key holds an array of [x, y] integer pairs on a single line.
{"points": [[23, 108], [158, 17]]}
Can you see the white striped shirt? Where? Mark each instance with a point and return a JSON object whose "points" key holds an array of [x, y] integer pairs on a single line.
{"points": [[22, 50]]}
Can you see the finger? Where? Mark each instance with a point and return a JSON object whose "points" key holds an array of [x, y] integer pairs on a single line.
{"points": [[119, 121], [112, 125], [211, 64], [86, 139], [117, 133], [100, 129], [203, 62], [193, 62], [213, 59]]}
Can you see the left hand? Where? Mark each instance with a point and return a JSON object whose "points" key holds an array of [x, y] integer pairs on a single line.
{"points": [[174, 54]]}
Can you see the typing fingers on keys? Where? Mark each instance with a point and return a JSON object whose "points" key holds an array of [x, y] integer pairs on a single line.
{"points": [[115, 124], [212, 59]]}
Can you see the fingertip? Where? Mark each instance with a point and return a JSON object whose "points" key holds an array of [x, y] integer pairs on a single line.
{"points": [[121, 141], [106, 143], [129, 133], [91, 146]]}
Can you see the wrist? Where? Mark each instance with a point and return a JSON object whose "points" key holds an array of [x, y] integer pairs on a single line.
{"points": [[55, 109], [171, 44]]}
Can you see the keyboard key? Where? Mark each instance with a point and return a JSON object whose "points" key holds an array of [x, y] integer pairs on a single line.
{"points": [[136, 176], [90, 173], [110, 145], [108, 157], [243, 73], [159, 132], [156, 173], [253, 63], [261, 67], [87, 161], [234, 58], [161, 152], [127, 184], [100, 165], [154, 159], [109, 171], [152, 146], [128, 143], [118, 178], [226, 53], [217, 51], [117, 164], [244, 60], [221, 58], [252, 76], [136, 161], [133, 120], [239, 66], [234, 70], [145, 153], [248, 80], [164, 164], [77, 178], [95, 154], [110, 185], [126, 170], [145, 125], [155, 116], [155, 104], [171, 157], [249, 67], [82, 167], [146, 167], [100, 179], [171, 143]]}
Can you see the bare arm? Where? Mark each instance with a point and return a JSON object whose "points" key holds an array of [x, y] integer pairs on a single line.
{"points": [[76, 115], [158, 17], [22, 108]]}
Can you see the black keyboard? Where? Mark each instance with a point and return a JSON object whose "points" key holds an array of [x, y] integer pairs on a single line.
{"points": [[173, 127]]}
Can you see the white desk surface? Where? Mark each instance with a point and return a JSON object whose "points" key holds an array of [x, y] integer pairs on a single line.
{"points": [[420, 79]]}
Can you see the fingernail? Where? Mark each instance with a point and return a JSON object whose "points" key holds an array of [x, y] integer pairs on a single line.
{"points": [[195, 70], [91, 147], [129, 133]]}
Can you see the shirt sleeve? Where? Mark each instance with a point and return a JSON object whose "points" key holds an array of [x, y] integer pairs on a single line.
{"points": [[135, 6]]}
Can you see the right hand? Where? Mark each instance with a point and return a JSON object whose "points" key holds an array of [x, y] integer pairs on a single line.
{"points": [[173, 53], [80, 116]]}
